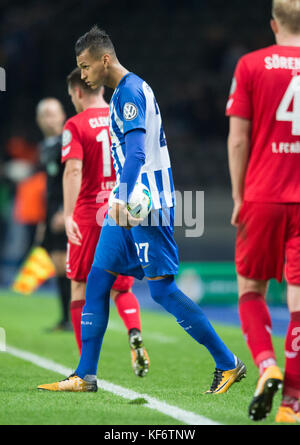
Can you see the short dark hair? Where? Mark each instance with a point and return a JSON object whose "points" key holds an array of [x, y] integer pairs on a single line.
{"points": [[97, 41], [74, 79]]}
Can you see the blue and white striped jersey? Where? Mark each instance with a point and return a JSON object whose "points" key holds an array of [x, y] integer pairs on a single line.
{"points": [[133, 105]]}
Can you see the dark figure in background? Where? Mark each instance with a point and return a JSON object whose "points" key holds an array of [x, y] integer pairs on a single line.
{"points": [[50, 118]]}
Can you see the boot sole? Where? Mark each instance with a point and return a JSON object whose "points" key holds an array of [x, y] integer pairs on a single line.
{"points": [[261, 405]]}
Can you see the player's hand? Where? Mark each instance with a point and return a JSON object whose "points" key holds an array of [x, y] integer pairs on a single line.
{"points": [[122, 217], [236, 212], [72, 231], [58, 222]]}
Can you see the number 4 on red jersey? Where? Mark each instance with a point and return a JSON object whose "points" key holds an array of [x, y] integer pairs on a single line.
{"points": [[266, 91]]}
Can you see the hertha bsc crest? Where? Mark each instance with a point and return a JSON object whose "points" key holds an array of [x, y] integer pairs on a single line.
{"points": [[130, 111]]}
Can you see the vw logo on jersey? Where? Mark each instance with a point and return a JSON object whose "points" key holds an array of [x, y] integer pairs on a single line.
{"points": [[66, 137], [130, 111]]}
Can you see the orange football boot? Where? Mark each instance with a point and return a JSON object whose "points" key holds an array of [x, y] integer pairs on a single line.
{"points": [[224, 379], [286, 414], [267, 386], [73, 383], [139, 357]]}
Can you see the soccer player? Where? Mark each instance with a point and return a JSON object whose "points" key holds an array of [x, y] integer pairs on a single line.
{"points": [[126, 246], [50, 117], [88, 179], [264, 163]]}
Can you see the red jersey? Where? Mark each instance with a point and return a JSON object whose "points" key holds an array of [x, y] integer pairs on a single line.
{"points": [[266, 90], [86, 137]]}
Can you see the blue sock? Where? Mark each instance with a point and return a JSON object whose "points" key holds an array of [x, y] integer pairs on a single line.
{"points": [[94, 319], [191, 318]]}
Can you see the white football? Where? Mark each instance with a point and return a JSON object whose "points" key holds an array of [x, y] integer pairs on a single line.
{"points": [[140, 202]]}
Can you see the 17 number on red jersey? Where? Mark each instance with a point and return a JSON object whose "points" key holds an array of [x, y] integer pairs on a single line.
{"points": [[103, 137]]}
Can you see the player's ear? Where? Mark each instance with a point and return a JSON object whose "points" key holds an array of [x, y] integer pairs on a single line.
{"points": [[79, 92], [274, 26], [106, 60]]}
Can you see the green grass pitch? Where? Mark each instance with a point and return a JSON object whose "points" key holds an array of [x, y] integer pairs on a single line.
{"points": [[180, 371]]}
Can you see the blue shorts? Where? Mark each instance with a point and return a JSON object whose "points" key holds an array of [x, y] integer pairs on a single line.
{"points": [[146, 250]]}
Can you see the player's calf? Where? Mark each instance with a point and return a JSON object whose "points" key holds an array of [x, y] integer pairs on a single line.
{"points": [[192, 319]]}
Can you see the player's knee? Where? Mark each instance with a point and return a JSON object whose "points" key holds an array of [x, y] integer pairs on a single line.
{"points": [[98, 288], [157, 298], [247, 285], [93, 274], [77, 298], [161, 289], [100, 278], [293, 297], [166, 293], [77, 290]]}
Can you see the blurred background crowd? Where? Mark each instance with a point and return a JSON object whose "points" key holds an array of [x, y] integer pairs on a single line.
{"points": [[186, 50]]}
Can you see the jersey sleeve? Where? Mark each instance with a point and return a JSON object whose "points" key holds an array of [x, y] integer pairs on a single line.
{"points": [[239, 102], [133, 109], [71, 143]]}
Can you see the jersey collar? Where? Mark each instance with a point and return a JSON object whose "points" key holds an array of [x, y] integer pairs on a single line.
{"points": [[122, 80]]}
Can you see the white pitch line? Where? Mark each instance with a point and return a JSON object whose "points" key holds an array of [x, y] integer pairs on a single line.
{"points": [[182, 415]]}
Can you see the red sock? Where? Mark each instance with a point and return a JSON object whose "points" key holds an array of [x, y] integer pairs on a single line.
{"points": [[256, 326], [291, 386], [76, 310], [129, 310]]}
